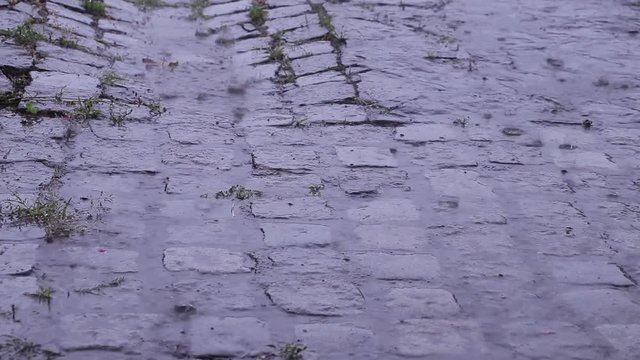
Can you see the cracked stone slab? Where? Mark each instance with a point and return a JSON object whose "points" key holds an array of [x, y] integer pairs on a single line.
{"points": [[211, 295], [312, 208], [17, 259], [400, 266], [114, 260], [551, 340], [589, 273], [360, 156], [391, 237], [227, 8], [15, 57], [421, 303], [228, 336], [287, 234], [72, 86], [423, 133], [370, 181], [314, 297], [624, 338], [459, 183], [602, 305], [426, 337], [21, 177], [287, 159], [206, 260], [385, 210], [332, 114], [199, 156], [344, 338], [14, 290], [303, 261], [105, 331]]}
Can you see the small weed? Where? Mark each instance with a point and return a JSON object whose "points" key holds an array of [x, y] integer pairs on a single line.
{"points": [[292, 352], [47, 211], [86, 109], [197, 8], [315, 189], [110, 78], [24, 34], [17, 348], [97, 290], [325, 20], [118, 117], [238, 192], [276, 53], [44, 294], [156, 108], [149, 4], [461, 121], [66, 43], [31, 109], [59, 96], [257, 13], [285, 73], [95, 7]]}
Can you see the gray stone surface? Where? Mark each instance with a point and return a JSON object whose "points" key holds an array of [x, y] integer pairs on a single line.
{"points": [[99, 258], [392, 237], [17, 259], [421, 303], [105, 332], [327, 297], [389, 210], [229, 336], [425, 337], [354, 156], [340, 339], [5, 84], [72, 86], [286, 234], [206, 260], [15, 57], [15, 291], [400, 266], [623, 338], [422, 133], [602, 306], [589, 273], [309, 207]]}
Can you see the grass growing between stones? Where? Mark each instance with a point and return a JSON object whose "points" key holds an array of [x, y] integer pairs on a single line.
{"points": [[197, 9], [66, 43], [285, 73], [148, 4], [44, 294], [86, 109], [292, 352], [258, 13], [315, 189], [97, 290], [24, 34], [14, 348], [333, 36], [110, 78], [238, 192], [95, 7]]}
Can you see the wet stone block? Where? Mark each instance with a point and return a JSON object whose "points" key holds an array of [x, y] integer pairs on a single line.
{"points": [[343, 338], [317, 93], [23, 176], [206, 260], [462, 184], [228, 337], [400, 267], [72, 86], [17, 259], [624, 338], [21, 233], [550, 340], [213, 296], [5, 84], [423, 133], [308, 49], [105, 332], [301, 261], [285, 234], [589, 273], [185, 156], [425, 337], [391, 237], [602, 305], [13, 290], [227, 8], [313, 64], [368, 181], [332, 114], [288, 159], [314, 297], [385, 210], [357, 156], [15, 57], [421, 303], [114, 260], [312, 208]]}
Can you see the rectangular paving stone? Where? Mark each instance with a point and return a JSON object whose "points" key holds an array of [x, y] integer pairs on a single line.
{"points": [[400, 267], [373, 237], [17, 259], [360, 156], [206, 260], [314, 297], [113, 332], [421, 303], [425, 337], [184, 156], [216, 337], [287, 234], [312, 208], [13, 291], [314, 64], [463, 184], [318, 93], [332, 114], [589, 273], [385, 210], [303, 261], [624, 338], [423, 133], [602, 306], [292, 160], [346, 339], [313, 48], [211, 296], [15, 57], [72, 86], [107, 259], [227, 8]]}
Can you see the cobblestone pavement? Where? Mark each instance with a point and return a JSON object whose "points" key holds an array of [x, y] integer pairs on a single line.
{"points": [[341, 180]]}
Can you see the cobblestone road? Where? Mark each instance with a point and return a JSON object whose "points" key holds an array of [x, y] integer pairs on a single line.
{"points": [[341, 180]]}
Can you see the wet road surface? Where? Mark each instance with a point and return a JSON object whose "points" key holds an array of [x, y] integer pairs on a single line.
{"points": [[340, 180]]}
